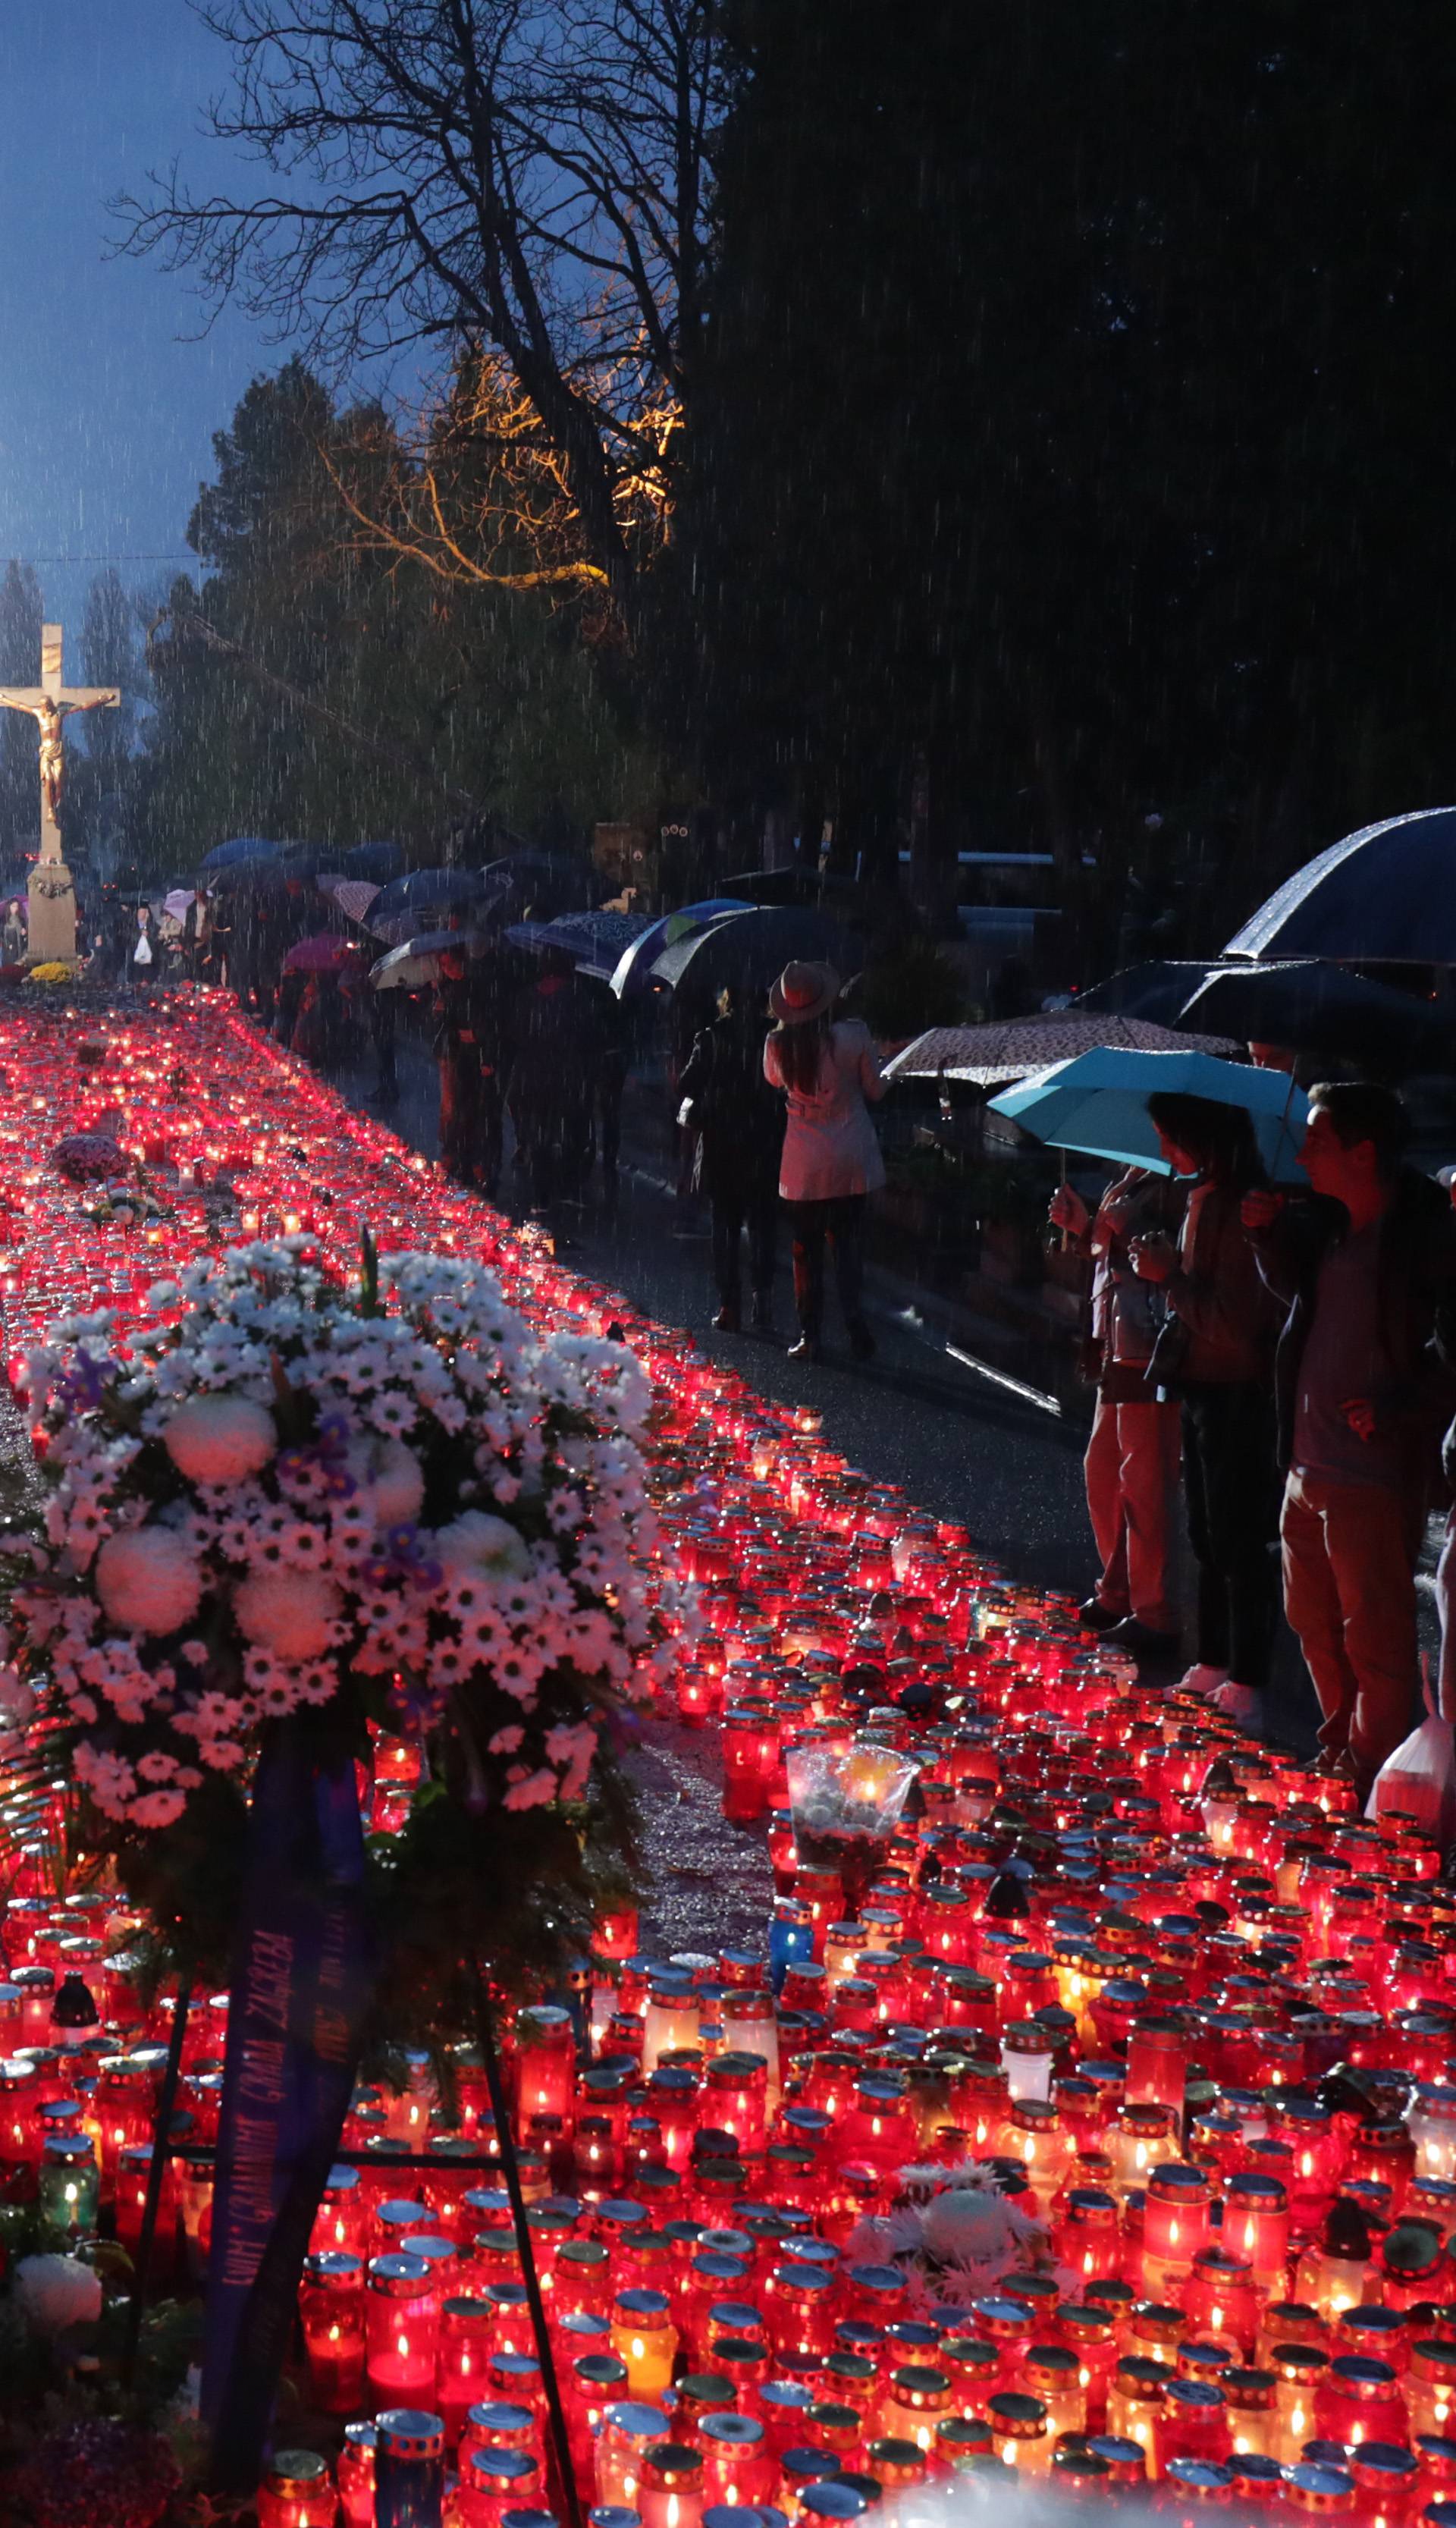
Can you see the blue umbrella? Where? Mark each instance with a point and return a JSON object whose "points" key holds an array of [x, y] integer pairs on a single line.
{"points": [[1098, 1103], [596, 940], [1386, 895], [238, 852], [634, 973], [378, 860]]}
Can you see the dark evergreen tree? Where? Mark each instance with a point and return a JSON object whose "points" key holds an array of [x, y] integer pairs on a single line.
{"points": [[1074, 419], [103, 783], [458, 698]]}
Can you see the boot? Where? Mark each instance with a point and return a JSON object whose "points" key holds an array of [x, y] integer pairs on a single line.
{"points": [[762, 1319]]}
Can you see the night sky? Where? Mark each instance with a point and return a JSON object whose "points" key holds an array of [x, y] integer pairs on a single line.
{"points": [[106, 412]]}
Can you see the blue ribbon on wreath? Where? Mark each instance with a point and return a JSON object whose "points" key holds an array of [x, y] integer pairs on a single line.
{"points": [[302, 1980]]}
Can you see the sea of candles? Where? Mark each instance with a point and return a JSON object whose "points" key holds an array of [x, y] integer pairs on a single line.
{"points": [[1201, 2015]]}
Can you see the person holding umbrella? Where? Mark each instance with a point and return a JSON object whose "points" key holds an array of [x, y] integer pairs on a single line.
{"points": [[741, 1123], [1216, 1353], [552, 1069], [197, 941], [1365, 1271], [470, 1050], [830, 1074], [1131, 1464]]}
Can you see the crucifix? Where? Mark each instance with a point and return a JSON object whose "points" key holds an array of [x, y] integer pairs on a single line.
{"points": [[50, 705]]}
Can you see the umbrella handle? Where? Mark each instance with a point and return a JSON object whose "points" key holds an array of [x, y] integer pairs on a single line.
{"points": [[1062, 1183]]}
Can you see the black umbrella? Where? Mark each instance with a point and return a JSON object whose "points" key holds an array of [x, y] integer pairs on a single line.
{"points": [[1156, 989], [310, 861], [750, 949], [1321, 1008], [1383, 896]]}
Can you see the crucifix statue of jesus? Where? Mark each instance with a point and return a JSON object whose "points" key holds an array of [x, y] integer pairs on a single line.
{"points": [[50, 703]]}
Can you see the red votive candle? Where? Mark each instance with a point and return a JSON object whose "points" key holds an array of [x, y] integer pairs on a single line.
{"points": [[403, 2332], [331, 2311]]}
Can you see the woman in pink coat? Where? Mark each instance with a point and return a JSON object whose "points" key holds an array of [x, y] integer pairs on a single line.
{"points": [[829, 1071]]}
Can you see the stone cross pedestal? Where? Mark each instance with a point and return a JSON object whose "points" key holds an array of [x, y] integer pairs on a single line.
{"points": [[50, 705]]}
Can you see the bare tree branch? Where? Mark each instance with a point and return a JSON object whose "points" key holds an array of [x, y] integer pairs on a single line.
{"points": [[520, 182]]}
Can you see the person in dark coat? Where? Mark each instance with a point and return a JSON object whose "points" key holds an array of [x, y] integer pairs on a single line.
{"points": [[1216, 1353], [384, 1023], [741, 1123], [1365, 1270], [198, 938], [472, 1051], [552, 1080]]}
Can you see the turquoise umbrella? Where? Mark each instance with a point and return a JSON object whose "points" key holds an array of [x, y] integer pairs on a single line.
{"points": [[1098, 1103]]}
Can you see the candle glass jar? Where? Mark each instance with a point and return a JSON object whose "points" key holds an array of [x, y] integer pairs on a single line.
{"points": [[917, 2400], [1134, 2404], [628, 2432], [296, 2492], [1158, 2060], [331, 2311], [70, 2183], [644, 2338], [1357, 2399], [340, 2223], [1431, 2388], [1052, 2372], [1222, 2301], [546, 2062], [1019, 2434], [1176, 2219], [402, 2330], [466, 2348], [1298, 2369], [671, 2491], [356, 2473], [409, 2468], [492, 2482], [739, 2468]]}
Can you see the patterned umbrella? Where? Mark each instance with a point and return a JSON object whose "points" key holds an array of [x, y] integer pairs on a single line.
{"points": [[352, 895], [1010, 1048], [416, 962]]}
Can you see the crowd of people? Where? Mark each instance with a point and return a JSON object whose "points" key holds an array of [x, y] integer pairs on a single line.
{"points": [[1295, 1351]]}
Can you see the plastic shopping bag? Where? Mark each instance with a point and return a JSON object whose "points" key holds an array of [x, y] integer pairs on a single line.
{"points": [[1419, 1781]]}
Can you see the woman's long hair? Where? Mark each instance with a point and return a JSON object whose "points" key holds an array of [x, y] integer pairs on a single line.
{"points": [[802, 1051], [1219, 1139]]}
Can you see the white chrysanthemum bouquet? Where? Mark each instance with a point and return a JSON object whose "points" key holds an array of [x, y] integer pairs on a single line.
{"points": [[294, 1501]]}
